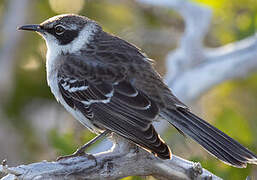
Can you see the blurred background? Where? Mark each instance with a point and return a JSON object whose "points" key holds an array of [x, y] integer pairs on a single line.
{"points": [[34, 127]]}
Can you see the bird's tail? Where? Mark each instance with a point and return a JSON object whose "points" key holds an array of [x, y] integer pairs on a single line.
{"points": [[212, 139]]}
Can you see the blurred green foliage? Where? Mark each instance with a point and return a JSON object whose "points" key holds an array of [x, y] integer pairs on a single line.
{"points": [[233, 20], [233, 109]]}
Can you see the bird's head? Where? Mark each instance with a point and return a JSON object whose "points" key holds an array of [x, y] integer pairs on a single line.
{"points": [[66, 31]]}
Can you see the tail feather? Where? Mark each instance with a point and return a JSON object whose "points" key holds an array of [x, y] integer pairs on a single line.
{"points": [[212, 139], [153, 143]]}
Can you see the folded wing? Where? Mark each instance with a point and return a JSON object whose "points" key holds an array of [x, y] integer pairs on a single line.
{"points": [[113, 103]]}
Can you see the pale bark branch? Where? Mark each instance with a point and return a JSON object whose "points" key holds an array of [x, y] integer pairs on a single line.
{"points": [[123, 160], [235, 60]]}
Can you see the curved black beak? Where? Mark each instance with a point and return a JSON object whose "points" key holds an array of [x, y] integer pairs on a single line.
{"points": [[31, 27]]}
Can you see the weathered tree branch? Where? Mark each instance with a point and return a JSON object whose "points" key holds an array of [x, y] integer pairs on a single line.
{"points": [[232, 61], [123, 160]]}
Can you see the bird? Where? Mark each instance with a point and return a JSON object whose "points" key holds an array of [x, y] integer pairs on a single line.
{"points": [[110, 86]]}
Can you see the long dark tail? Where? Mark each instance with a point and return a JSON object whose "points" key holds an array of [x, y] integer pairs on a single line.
{"points": [[212, 139]]}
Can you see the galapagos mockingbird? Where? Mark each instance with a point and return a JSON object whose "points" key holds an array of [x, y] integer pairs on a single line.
{"points": [[109, 85]]}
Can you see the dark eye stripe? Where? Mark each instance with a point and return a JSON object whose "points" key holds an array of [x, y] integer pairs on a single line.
{"points": [[67, 37], [64, 38]]}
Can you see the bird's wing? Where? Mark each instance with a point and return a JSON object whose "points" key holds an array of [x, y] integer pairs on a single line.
{"points": [[106, 97], [112, 50]]}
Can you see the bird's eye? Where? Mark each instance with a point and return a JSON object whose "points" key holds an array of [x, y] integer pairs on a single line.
{"points": [[59, 29]]}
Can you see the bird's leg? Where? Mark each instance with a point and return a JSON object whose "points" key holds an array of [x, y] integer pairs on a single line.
{"points": [[81, 151]]}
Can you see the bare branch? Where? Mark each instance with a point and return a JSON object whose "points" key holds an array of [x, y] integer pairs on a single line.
{"points": [[123, 160], [231, 61]]}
